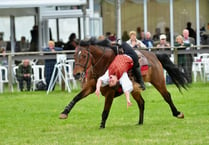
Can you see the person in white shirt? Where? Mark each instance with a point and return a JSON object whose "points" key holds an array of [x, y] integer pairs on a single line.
{"points": [[163, 43], [133, 42], [117, 73]]}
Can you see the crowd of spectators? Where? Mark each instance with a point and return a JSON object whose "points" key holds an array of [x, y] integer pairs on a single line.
{"points": [[136, 39], [140, 39]]}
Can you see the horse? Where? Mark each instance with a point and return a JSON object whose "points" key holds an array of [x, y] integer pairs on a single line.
{"points": [[92, 60]]}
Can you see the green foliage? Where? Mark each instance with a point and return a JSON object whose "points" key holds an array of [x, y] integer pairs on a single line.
{"points": [[32, 118]]}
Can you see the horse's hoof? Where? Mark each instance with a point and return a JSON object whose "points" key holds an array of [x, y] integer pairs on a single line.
{"points": [[63, 116], [102, 127], [180, 116]]}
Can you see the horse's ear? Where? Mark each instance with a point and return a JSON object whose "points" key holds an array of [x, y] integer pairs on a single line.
{"points": [[76, 49], [92, 40]]}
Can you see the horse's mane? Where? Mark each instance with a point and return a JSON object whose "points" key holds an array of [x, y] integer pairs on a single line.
{"points": [[94, 41]]}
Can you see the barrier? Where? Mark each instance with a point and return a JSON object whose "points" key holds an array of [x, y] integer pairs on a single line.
{"points": [[194, 50]]}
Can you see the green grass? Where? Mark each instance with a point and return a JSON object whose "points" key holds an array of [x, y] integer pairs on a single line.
{"points": [[32, 118]]}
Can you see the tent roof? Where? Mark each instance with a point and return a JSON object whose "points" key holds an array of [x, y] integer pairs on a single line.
{"points": [[38, 3]]}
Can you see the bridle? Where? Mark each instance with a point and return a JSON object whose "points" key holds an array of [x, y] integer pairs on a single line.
{"points": [[85, 66], [87, 61]]}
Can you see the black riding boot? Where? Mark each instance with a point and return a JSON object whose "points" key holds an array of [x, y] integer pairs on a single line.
{"points": [[139, 79]]}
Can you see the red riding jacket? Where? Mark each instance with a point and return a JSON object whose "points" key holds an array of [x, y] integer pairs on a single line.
{"points": [[120, 64]]}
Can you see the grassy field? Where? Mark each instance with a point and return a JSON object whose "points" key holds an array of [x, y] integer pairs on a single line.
{"points": [[32, 118]]}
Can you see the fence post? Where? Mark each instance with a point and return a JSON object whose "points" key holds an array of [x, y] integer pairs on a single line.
{"points": [[10, 86], [175, 53], [63, 81], [1, 83]]}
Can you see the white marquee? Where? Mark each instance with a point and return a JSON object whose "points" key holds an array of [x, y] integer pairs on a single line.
{"points": [[38, 3]]}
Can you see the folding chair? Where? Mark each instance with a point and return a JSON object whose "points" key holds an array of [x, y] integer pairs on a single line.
{"points": [[38, 75], [15, 77], [69, 73], [3, 77]]}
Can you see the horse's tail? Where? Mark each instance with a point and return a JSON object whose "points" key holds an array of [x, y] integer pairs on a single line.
{"points": [[179, 78]]}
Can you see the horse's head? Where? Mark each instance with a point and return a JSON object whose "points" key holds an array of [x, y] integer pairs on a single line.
{"points": [[83, 61]]}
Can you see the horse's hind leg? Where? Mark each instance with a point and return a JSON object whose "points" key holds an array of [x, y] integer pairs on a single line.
{"points": [[160, 86], [140, 101]]}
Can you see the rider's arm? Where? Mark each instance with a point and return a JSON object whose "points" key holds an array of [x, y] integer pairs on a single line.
{"points": [[126, 83], [127, 87], [102, 81]]}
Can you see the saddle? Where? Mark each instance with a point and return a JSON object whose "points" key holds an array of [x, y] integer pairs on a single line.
{"points": [[142, 59], [144, 64]]}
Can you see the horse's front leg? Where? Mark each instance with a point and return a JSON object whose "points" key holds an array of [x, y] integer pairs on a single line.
{"points": [[87, 89], [109, 96]]}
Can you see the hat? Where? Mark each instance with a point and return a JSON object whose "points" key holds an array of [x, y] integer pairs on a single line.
{"points": [[162, 36]]}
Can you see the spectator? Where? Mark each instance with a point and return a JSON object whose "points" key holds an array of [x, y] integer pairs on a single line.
{"points": [[34, 40], [3, 45], [71, 44], [2, 50], [107, 34], [167, 33], [112, 37], [23, 45], [186, 38], [142, 36], [156, 36], [183, 62], [49, 63], [189, 59], [148, 40], [180, 41], [133, 42], [125, 36], [3, 59], [101, 37], [163, 43], [138, 33], [24, 72], [192, 32], [60, 43]]}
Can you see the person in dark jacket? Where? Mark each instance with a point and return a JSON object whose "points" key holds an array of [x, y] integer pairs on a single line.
{"points": [[24, 72], [50, 63], [183, 63], [71, 44], [34, 39], [192, 32], [148, 40], [128, 50]]}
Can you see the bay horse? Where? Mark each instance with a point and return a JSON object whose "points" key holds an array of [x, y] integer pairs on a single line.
{"points": [[91, 62]]}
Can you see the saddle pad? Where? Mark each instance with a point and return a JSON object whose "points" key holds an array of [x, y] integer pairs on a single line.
{"points": [[142, 59], [144, 69]]}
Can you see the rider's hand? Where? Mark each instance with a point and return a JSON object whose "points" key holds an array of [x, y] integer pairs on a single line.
{"points": [[97, 92], [129, 104]]}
